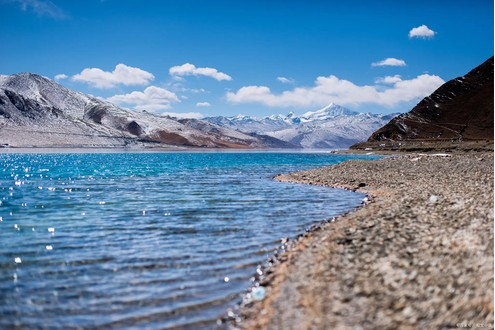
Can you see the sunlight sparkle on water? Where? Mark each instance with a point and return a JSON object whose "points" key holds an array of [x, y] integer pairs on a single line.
{"points": [[159, 221]]}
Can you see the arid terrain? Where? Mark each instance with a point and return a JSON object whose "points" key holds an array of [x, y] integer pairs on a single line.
{"points": [[419, 256]]}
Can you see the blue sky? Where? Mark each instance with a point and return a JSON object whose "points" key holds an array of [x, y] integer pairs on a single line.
{"points": [[250, 57]]}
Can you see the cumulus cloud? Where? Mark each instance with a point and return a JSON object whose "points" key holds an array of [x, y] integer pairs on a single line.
{"points": [[152, 98], [61, 76], [42, 8], [421, 32], [389, 62], [203, 104], [340, 91], [388, 79], [285, 80], [122, 75], [186, 115], [189, 69]]}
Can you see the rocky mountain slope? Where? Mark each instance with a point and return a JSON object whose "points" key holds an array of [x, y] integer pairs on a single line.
{"points": [[330, 127], [35, 111], [459, 111]]}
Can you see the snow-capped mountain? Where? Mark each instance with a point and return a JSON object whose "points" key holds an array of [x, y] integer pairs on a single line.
{"points": [[329, 112], [330, 127], [35, 111]]}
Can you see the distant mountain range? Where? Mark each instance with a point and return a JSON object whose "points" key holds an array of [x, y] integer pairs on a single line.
{"points": [[330, 127], [38, 112]]}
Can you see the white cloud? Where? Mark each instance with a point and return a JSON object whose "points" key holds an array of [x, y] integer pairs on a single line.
{"points": [[340, 91], [61, 76], [389, 62], [388, 79], [123, 74], [285, 80], [421, 32], [179, 79], [189, 69], [152, 98], [180, 88], [42, 8], [203, 104], [185, 115]]}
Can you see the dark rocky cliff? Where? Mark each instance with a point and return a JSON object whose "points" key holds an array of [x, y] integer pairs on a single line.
{"points": [[461, 110]]}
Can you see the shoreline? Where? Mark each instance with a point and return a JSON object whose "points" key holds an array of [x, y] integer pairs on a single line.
{"points": [[163, 149], [418, 255]]}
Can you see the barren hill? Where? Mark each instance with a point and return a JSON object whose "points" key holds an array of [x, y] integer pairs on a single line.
{"points": [[458, 112]]}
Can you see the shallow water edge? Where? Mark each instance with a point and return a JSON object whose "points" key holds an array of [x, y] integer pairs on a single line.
{"points": [[194, 228]]}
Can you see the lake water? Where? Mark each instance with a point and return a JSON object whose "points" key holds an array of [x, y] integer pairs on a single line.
{"points": [[146, 240]]}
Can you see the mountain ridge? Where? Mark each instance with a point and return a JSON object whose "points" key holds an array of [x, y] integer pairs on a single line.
{"points": [[332, 126], [38, 112], [459, 111]]}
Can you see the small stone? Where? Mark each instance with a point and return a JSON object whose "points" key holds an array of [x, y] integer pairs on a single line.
{"points": [[350, 230], [369, 224], [433, 199], [408, 311], [258, 293]]}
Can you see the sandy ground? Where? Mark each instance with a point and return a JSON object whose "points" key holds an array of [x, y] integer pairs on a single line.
{"points": [[418, 256]]}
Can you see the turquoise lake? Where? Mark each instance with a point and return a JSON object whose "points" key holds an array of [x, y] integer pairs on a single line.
{"points": [[146, 240]]}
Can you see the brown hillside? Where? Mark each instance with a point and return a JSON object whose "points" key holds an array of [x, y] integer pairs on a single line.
{"points": [[459, 110]]}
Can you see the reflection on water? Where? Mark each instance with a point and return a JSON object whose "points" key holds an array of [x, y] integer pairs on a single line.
{"points": [[152, 240]]}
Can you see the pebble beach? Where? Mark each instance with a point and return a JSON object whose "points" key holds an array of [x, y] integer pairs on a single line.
{"points": [[417, 255]]}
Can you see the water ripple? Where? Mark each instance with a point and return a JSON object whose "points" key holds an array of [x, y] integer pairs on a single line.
{"points": [[130, 240]]}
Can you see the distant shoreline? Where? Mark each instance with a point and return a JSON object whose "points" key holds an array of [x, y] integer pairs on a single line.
{"points": [[107, 149], [420, 255]]}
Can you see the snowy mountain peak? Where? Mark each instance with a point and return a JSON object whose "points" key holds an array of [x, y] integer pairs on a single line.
{"points": [[330, 111], [47, 92], [25, 81], [3, 78], [240, 117], [330, 127], [275, 117]]}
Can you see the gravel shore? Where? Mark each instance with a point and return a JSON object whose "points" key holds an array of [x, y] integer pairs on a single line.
{"points": [[418, 256]]}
